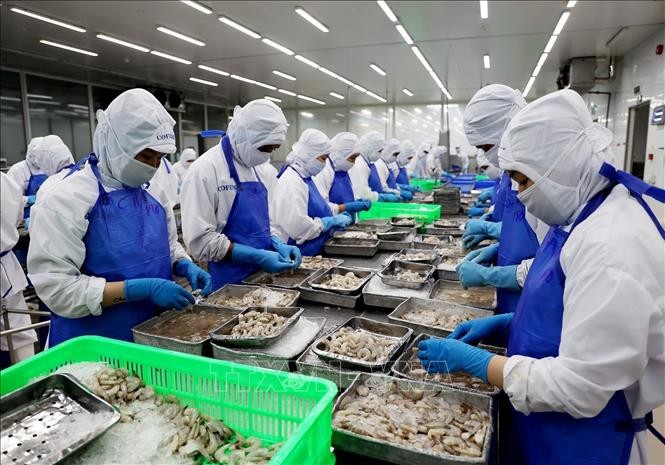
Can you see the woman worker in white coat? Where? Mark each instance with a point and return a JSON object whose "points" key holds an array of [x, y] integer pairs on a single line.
{"points": [[416, 167], [406, 153], [388, 180], [301, 215], [586, 358], [104, 245], [224, 201], [187, 157], [364, 175]]}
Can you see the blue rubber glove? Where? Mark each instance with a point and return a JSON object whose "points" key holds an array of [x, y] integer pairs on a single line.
{"points": [[162, 292], [484, 255], [386, 197], [357, 206], [31, 199], [473, 274], [406, 195], [496, 326], [340, 221], [476, 211], [476, 231], [451, 355], [408, 187], [486, 195], [196, 277], [267, 260], [289, 252]]}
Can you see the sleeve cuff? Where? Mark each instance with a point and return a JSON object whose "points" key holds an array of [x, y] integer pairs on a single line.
{"points": [[515, 381], [522, 271], [95, 294]]}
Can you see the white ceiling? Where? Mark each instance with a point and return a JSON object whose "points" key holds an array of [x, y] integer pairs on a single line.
{"points": [[451, 35]]}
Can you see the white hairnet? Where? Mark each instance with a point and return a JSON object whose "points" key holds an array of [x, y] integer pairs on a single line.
{"points": [[311, 144], [48, 154], [423, 149], [134, 121], [554, 142], [257, 124], [369, 145], [188, 155], [390, 148], [406, 151], [341, 146]]}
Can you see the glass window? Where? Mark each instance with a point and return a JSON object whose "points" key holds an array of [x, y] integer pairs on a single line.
{"points": [[418, 123], [12, 133], [60, 108], [103, 96], [328, 120], [193, 119], [217, 118], [369, 118], [279, 155]]}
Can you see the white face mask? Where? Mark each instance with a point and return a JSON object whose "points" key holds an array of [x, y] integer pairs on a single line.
{"points": [[550, 202], [315, 166], [251, 156], [136, 173], [344, 165]]}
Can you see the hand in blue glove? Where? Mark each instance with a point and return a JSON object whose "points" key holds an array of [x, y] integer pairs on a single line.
{"points": [[357, 206], [486, 217], [162, 292], [450, 356], [484, 255], [483, 328], [267, 260], [476, 211], [31, 199], [476, 231], [340, 221], [486, 195], [386, 197], [196, 277], [406, 195], [288, 252], [472, 274]]}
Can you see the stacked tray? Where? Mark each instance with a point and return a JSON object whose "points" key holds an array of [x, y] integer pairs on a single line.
{"points": [[223, 335], [389, 274], [286, 279], [451, 291], [377, 294], [327, 297], [395, 239], [448, 198], [357, 247], [221, 297]]}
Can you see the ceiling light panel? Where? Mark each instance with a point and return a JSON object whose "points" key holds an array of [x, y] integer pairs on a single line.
{"points": [[274, 99], [181, 36], [377, 97], [47, 19], [405, 35], [377, 69], [124, 43], [484, 9], [214, 70], [486, 61], [287, 92], [277, 46], [239, 27], [550, 44], [197, 6], [284, 75], [311, 19], [307, 61], [310, 99], [336, 95], [243, 79], [203, 81], [407, 92], [307, 114], [562, 22], [69, 47], [170, 57], [386, 9]]}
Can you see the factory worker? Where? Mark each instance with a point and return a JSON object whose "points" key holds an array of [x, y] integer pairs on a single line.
{"points": [[12, 278], [433, 166], [45, 157], [417, 167], [224, 200], [180, 167], [268, 174], [364, 175], [387, 178], [406, 153], [585, 363], [104, 246], [300, 214], [334, 182], [486, 198], [167, 180]]}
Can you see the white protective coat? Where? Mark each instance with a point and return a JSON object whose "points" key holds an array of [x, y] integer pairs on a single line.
{"points": [[208, 192], [369, 146], [389, 156], [613, 331], [433, 166], [341, 147], [417, 166], [180, 167], [268, 174], [167, 180]]}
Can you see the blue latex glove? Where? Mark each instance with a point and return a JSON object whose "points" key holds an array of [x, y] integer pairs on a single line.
{"points": [[340, 221], [289, 252], [196, 277], [267, 260], [484, 255], [357, 206], [476, 211], [31, 199], [386, 197], [451, 355], [406, 195], [408, 187], [472, 274], [483, 328], [162, 292], [486, 195], [475, 231]]}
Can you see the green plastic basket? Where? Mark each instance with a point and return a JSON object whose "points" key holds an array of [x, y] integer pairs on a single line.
{"points": [[426, 185], [272, 405], [382, 210]]}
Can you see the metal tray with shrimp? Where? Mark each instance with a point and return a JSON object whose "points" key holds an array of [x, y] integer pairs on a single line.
{"points": [[378, 294], [223, 335], [395, 239], [354, 234], [307, 292], [310, 364], [319, 263], [437, 231], [389, 274], [447, 267], [451, 291], [286, 279], [427, 257], [316, 282], [230, 293], [358, 247]]}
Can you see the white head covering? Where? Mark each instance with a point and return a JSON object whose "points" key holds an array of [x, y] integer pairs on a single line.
{"points": [[187, 157], [390, 151], [423, 150], [255, 125], [134, 121], [341, 147], [48, 154], [369, 145], [487, 115], [489, 169], [554, 142], [406, 152], [303, 157]]}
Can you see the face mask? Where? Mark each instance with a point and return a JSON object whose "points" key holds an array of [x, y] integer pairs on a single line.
{"points": [[136, 173], [251, 156], [550, 202], [315, 166], [374, 155], [343, 165], [493, 155]]}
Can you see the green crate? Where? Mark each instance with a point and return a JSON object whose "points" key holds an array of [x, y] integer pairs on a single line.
{"points": [[426, 185], [272, 405], [382, 210]]}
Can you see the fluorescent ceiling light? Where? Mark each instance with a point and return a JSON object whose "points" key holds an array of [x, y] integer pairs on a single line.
{"points": [[386, 9], [484, 12], [366, 112], [336, 95], [541, 62], [550, 44], [279, 47], [180, 36], [434, 107], [418, 110], [274, 99], [339, 114], [170, 57], [70, 48], [287, 92], [243, 79], [345, 80], [239, 27], [405, 35], [45, 97], [78, 107], [284, 75], [328, 72], [407, 92], [264, 85], [45, 102], [197, 6], [486, 61], [307, 114], [203, 81], [571, 3], [421, 57], [214, 70], [46, 19], [562, 22], [11, 99], [307, 61], [378, 97], [310, 99], [311, 19], [357, 87], [377, 69], [123, 43], [529, 84], [399, 123]]}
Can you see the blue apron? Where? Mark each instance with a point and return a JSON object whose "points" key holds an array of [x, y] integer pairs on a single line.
{"points": [[374, 181], [341, 190], [127, 238], [34, 183], [495, 189], [500, 197], [248, 224], [556, 438], [516, 243], [402, 176]]}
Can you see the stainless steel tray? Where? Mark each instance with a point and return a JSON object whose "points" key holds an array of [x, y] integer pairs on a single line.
{"points": [[331, 261], [451, 291], [396, 240], [286, 279], [436, 231], [218, 298], [359, 247], [396, 219], [378, 294], [388, 274], [315, 281], [334, 299], [403, 365], [310, 364], [444, 240], [433, 257], [350, 234], [446, 270], [399, 454], [428, 304], [278, 355], [398, 333], [373, 223], [452, 222], [222, 335], [393, 235], [142, 334], [39, 421]]}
